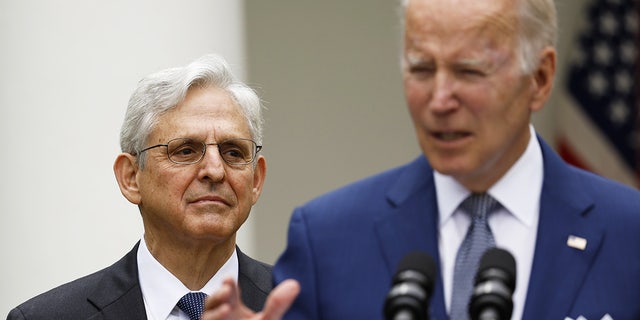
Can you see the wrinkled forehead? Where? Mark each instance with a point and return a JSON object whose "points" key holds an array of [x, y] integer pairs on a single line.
{"points": [[449, 18], [205, 111]]}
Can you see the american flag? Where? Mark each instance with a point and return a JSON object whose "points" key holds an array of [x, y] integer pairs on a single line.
{"points": [[600, 121]]}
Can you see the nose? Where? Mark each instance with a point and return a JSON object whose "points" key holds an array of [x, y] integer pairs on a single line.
{"points": [[443, 96], [212, 166]]}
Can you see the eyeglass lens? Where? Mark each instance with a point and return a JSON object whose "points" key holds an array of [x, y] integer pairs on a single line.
{"points": [[234, 151]]}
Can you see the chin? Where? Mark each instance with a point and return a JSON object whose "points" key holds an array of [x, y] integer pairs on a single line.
{"points": [[448, 166], [215, 225]]}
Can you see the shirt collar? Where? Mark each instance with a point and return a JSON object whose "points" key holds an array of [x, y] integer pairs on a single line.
{"points": [[518, 191], [161, 290]]}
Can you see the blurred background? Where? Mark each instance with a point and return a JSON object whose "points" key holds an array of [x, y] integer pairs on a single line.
{"points": [[328, 72]]}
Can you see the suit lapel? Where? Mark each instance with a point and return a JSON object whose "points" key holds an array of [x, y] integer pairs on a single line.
{"points": [[412, 224], [118, 294], [254, 280], [559, 268]]}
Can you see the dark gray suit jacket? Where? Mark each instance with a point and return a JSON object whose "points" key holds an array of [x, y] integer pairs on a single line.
{"points": [[114, 293]]}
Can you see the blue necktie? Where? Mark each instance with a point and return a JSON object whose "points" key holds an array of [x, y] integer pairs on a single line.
{"points": [[192, 304], [478, 239]]}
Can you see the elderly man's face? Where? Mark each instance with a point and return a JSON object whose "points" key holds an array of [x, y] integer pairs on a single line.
{"points": [[467, 96], [208, 200]]}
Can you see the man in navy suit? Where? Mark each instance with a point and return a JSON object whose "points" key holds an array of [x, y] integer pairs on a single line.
{"points": [[190, 162], [474, 71]]}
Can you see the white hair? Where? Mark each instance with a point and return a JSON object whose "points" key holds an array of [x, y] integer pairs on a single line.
{"points": [[164, 90]]}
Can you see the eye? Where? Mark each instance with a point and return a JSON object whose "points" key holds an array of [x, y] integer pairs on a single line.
{"points": [[237, 151], [185, 151], [472, 72], [421, 69], [233, 152]]}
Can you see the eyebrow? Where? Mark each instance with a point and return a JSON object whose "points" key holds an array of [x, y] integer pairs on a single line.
{"points": [[481, 63], [413, 59], [467, 62]]}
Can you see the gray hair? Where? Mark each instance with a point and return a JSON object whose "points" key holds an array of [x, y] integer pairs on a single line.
{"points": [[164, 90], [538, 28]]}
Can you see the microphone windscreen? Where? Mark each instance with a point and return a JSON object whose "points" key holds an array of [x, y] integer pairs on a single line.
{"points": [[411, 288], [420, 262], [501, 259]]}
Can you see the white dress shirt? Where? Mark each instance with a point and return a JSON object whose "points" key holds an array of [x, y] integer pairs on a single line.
{"points": [[161, 290], [514, 226]]}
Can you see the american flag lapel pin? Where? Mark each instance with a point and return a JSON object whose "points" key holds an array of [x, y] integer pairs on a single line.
{"points": [[577, 242]]}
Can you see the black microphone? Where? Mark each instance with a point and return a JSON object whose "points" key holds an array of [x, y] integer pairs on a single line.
{"points": [[494, 285], [411, 289]]}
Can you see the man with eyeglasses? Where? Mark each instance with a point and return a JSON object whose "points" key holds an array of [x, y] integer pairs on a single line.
{"points": [[190, 162]]}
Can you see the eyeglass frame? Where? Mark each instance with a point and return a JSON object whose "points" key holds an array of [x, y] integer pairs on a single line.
{"points": [[256, 149]]}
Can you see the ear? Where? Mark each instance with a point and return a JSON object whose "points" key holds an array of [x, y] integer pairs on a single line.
{"points": [[259, 174], [126, 171], [543, 78]]}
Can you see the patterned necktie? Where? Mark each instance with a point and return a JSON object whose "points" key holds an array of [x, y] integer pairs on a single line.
{"points": [[192, 304], [478, 239]]}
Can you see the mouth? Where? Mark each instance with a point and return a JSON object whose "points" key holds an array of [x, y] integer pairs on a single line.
{"points": [[210, 200], [450, 136]]}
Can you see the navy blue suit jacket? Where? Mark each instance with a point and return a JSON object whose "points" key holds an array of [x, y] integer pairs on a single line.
{"points": [[114, 293], [344, 247]]}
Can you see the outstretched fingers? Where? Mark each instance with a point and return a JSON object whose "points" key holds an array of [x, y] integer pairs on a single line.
{"points": [[280, 300], [225, 303]]}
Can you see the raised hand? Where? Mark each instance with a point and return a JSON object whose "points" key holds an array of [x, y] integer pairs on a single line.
{"points": [[225, 304]]}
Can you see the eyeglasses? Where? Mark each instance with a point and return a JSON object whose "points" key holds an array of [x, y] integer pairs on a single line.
{"points": [[235, 152]]}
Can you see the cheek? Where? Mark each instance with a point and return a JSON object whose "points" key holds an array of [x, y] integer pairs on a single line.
{"points": [[416, 94], [242, 185], [168, 186], [513, 109]]}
